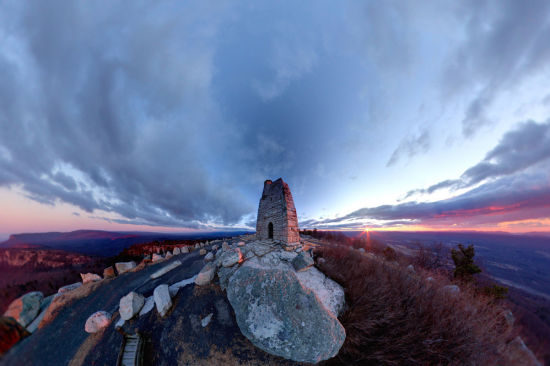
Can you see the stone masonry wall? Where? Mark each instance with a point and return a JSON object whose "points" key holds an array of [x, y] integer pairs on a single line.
{"points": [[277, 206]]}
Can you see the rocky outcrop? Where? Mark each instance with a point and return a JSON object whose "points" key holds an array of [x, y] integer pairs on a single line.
{"points": [[130, 305], [97, 322], [25, 308], [90, 277], [184, 250], [122, 267], [157, 257], [231, 257], [284, 311], [162, 298], [11, 332], [177, 251]]}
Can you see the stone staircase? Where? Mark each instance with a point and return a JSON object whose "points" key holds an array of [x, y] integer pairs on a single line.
{"points": [[130, 354]]}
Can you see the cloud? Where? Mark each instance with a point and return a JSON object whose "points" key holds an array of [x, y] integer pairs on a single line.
{"points": [[519, 149], [504, 43], [410, 146], [511, 183], [120, 96], [507, 199]]}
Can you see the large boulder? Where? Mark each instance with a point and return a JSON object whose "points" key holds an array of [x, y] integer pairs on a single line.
{"points": [[162, 298], [97, 322], [177, 251], [184, 250], [25, 308], [209, 257], [90, 277], [157, 257], [122, 267], [282, 317], [202, 252], [328, 292], [130, 305], [11, 332]]}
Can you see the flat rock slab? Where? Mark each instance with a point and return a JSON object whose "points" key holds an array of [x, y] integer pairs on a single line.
{"points": [[278, 315], [166, 269]]}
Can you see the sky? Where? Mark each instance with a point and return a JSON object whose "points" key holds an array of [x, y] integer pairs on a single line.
{"points": [[169, 115]]}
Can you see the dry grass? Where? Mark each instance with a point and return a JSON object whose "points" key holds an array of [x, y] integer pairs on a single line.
{"points": [[395, 317]]}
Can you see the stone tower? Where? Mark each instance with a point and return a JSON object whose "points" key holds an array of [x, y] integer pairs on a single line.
{"points": [[277, 218]]}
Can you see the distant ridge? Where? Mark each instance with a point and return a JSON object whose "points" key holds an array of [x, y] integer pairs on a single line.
{"points": [[98, 242]]}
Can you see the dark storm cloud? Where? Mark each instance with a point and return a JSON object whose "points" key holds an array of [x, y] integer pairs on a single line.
{"points": [[411, 146], [104, 106], [505, 42]]}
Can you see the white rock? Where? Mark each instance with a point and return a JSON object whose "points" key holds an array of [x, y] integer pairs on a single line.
{"points": [[68, 288], [97, 321], [157, 257], [206, 320], [451, 289], [197, 246], [184, 250], [209, 257], [168, 255], [130, 305], [326, 290], [410, 268], [122, 267], [148, 306], [120, 323], [162, 299], [90, 277], [165, 269], [206, 275], [177, 251], [202, 252], [174, 288]]}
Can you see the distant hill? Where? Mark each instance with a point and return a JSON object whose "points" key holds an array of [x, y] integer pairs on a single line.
{"points": [[97, 242]]}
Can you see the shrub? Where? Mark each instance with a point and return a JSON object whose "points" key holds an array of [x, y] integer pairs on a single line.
{"points": [[465, 268], [396, 318]]}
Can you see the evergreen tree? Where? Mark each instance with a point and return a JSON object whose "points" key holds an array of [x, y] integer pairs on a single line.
{"points": [[463, 259]]}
